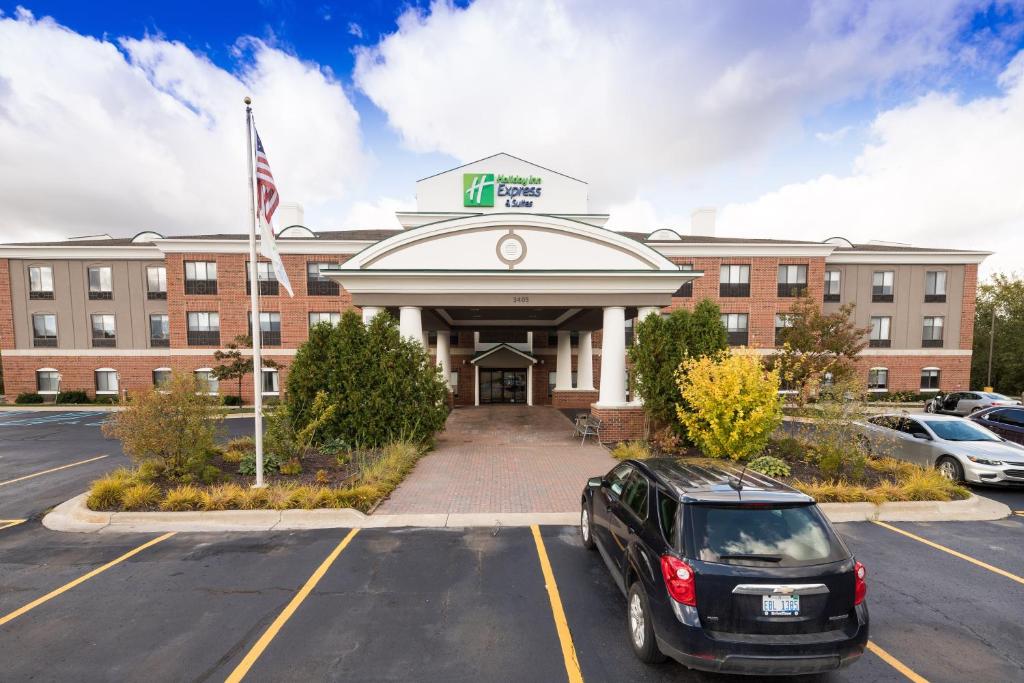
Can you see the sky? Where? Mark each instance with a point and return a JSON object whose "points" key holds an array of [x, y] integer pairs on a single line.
{"points": [[796, 119]]}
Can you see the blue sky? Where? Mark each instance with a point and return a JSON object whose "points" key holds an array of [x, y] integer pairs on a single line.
{"points": [[796, 118]]}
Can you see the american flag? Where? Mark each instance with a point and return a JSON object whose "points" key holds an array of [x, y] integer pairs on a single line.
{"points": [[266, 190]]}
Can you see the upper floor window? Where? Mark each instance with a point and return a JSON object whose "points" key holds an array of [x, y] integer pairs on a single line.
{"points": [[880, 329], [932, 334], [736, 328], [159, 330], [734, 281], [329, 317], [203, 328], [782, 321], [40, 282], [104, 330], [833, 281], [101, 282], [317, 284], [156, 282], [106, 381], [270, 328], [878, 379], [267, 277], [685, 290], [935, 286], [881, 285], [44, 329], [792, 280], [930, 379], [200, 277], [47, 381]]}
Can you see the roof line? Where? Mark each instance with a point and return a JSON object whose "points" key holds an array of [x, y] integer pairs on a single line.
{"points": [[564, 175]]}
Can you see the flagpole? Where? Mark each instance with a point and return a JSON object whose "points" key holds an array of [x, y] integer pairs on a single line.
{"points": [[254, 289]]}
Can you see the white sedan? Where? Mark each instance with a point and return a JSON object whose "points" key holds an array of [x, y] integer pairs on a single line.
{"points": [[960, 449]]}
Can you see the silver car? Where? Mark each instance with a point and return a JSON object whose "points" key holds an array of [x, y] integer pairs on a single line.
{"points": [[959, 448], [967, 402]]}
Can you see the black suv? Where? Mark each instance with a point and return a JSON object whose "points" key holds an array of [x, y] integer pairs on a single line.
{"points": [[725, 570]]}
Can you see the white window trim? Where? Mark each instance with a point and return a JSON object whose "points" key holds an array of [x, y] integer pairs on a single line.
{"points": [[209, 370], [879, 391], [936, 390], [270, 393], [117, 378], [47, 393]]}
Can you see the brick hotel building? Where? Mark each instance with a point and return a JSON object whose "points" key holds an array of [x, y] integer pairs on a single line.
{"points": [[518, 291]]}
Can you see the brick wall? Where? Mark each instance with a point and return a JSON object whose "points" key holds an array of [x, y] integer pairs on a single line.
{"points": [[968, 306], [620, 424], [905, 371], [574, 398], [6, 309]]}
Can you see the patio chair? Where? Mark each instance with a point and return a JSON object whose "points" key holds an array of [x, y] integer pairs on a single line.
{"points": [[578, 424], [591, 427]]}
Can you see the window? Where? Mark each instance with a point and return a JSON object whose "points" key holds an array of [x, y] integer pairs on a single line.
{"points": [[44, 330], [734, 281], [617, 478], [270, 328], [267, 277], [106, 381], [634, 496], [156, 282], [331, 318], [878, 379], [1013, 417], [736, 328], [453, 382], [203, 329], [881, 285], [932, 336], [40, 282], [879, 338], [668, 519], [200, 277], [159, 330], [685, 290], [101, 282], [792, 280], [453, 338], [271, 382], [161, 376], [782, 321], [833, 281], [317, 284], [207, 382], [630, 332], [935, 286], [930, 379], [104, 330], [47, 381]]}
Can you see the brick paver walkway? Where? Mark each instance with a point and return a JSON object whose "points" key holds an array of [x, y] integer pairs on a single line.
{"points": [[501, 459]]}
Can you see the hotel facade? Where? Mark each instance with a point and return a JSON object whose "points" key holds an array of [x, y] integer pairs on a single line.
{"points": [[517, 290]]}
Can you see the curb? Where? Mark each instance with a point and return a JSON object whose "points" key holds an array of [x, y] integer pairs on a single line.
{"points": [[74, 516], [973, 509]]}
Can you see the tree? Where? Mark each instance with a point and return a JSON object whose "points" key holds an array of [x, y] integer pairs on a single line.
{"points": [[661, 344], [732, 404], [1002, 296], [815, 344], [234, 365]]}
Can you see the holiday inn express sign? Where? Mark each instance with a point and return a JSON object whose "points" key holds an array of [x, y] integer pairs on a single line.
{"points": [[512, 191]]}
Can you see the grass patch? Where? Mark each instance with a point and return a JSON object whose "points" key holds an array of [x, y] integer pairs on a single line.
{"points": [[140, 496], [911, 483], [631, 450]]}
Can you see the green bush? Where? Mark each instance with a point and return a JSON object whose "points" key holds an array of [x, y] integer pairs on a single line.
{"points": [[107, 493], [247, 466], [182, 498], [28, 398], [787, 448], [106, 399], [73, 396], [631, 450], [140, 496], [770, 466], [231, 400]]}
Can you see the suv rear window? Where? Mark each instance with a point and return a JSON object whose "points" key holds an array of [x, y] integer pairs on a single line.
{"points": [[778, 536]]}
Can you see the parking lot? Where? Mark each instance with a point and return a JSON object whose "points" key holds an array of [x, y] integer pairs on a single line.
{"points": [[422, 604]]}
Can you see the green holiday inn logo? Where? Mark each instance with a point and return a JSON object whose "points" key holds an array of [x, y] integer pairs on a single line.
{"points": [[478, 189]]}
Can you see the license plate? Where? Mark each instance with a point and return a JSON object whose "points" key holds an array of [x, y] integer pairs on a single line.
{"points": [[780, 605]]}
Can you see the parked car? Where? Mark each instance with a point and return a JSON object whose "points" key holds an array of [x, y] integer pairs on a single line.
{"points": [[1006, 422], [725, 575], [960, 449], [967, 402]]}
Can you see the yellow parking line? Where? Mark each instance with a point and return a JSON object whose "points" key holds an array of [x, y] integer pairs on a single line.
{"points": [[250, 658], [81, 579], [55, 469], [954, 553], [896, 664], [572, 664], [8, 523]]}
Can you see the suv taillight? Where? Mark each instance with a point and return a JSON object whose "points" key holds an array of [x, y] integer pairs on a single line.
{"points": [[679, 580], [860, 587]]}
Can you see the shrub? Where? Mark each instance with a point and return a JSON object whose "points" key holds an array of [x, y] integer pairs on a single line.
{"points": [[392, 464], [667, 441], [253, 499], [182, 499], [631, 450], [733, 404], [233, 456], [175, 426], [28, 398], [149, 470], [140, 496], [231, 400], [770, 466], [358, 497], [210, 474], [241, 443], [311, 497], [322, 477], [928, 484], [247, 465], [291, 467], [787, 448], [106, 399], [223, 497], [73, 396], [107, 493]]}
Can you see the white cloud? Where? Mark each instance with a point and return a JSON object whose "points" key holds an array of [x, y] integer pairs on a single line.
{"points": [[146, 134], [641, 215], [377, 215], [938, 172], [626, 93], [355, 29], [834, 136]]}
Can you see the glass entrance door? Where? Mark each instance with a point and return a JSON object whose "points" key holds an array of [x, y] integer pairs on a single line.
{"points": [[501, 385]]}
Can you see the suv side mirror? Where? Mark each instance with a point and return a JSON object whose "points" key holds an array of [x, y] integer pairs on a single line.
{"points": [[922, 436], [596, 482]]}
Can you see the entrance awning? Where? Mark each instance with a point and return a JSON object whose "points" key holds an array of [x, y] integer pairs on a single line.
{"points": [[503, 356]]}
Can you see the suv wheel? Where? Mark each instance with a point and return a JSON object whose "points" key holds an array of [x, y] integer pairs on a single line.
{"points": [[586, 531], [950, 468], [641, 630]]}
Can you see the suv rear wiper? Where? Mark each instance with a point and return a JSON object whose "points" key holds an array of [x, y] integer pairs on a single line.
{"points": [[752, 556]]}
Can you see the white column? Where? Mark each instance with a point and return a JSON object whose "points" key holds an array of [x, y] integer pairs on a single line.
{"points": [[444, 357], [529, 385], [645, 311], [563, 361], [613, 357], [585, 361], [369, 312], [410, 323]]}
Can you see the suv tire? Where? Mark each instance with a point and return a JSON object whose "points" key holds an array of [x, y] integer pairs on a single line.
{"points": [[951, 469], [640, 628], [586, 527]]}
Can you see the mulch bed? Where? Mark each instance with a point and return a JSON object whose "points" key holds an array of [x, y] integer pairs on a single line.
{"points": [[312, 462]]}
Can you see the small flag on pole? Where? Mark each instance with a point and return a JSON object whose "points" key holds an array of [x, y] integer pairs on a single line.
{"points": [[267, 201]]}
